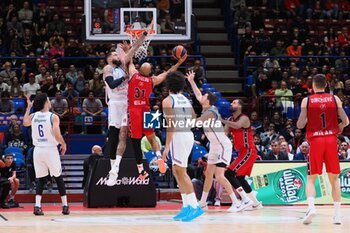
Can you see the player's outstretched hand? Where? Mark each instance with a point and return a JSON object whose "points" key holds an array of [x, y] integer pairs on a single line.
{"points": [[125, 46], [63, 149], [29, 102], [190, 76], [182, 59], [165, 155]]}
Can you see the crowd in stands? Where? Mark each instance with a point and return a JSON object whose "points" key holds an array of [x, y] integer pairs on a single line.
{"points": [[279, 139], [281, 33]]}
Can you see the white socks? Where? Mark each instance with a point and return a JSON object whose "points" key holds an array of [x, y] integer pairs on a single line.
{"points": [[192, 200], [243, 194], [140, 167], [184, 199], [337, 208], [204, 197], [311, 202], [117, 162], [64, 200], [252, 197], [159, 155], [112, 163], [38, 200], [233, 198]]}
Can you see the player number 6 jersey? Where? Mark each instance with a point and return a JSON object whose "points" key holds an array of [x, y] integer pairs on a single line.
{"points": [[42, 132]]}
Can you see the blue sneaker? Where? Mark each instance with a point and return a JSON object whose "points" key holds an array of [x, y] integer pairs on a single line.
{"points": [[183, 212], [192, 214]]}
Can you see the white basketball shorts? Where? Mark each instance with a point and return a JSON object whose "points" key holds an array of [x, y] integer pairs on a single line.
{"points": [[180, 148], [220, 153], [47, 161], [118, 113]]}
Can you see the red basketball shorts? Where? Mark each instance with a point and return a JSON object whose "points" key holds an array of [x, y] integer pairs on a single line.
{"points": [[243, 164], [136, 122], [323, 149]]}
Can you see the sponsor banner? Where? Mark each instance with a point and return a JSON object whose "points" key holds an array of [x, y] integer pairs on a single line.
{"points": [[129, 190], [124, 181], [285, 183]]}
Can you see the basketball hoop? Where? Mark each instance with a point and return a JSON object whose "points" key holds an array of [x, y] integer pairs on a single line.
{"points": [[135, 34]]}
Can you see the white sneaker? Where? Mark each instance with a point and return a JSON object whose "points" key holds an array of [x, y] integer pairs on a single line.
{"points": [[254, 207], [246, 204], [112, 178], [235, 207], [311, 213], [337, 220], [217, 203], [204, 206]]}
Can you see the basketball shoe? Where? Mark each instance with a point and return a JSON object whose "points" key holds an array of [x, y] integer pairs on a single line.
{"points": [[255, 207], [192, 213], [143, 175], [183, 212], [337, 220], [65, 210], [235, 207], [38, 211], [161, 165], [204, 206], [246, 204], [217, 203], [310, 214], [112, 178]]}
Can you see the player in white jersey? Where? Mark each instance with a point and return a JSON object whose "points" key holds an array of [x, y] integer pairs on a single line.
{"points": [[179, 142], [46, 137], [220, 151], [116, 80]]}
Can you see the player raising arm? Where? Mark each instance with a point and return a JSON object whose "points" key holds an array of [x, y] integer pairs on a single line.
{"points": [[141, 84], [240, 128], [179, 141], [46, 137], [116, 80], [220, 152], [320, 112]]}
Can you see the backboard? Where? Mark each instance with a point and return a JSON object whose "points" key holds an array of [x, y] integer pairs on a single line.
{"points": [[107, 20]]}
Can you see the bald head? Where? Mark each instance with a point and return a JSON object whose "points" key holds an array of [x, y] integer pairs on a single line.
{"points": [[96, 149], [146, 69]]}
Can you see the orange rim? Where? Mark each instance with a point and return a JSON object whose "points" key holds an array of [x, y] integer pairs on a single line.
{"points": [[136, 33]]}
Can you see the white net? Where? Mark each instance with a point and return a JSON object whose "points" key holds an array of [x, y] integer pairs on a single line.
{"points": [[141, 53]]}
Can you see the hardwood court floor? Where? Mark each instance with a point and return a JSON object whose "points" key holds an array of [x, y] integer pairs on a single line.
{"points": [[159, 220]]}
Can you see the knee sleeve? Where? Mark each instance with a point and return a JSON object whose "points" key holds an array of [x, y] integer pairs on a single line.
{"points": [[60, 185], [137, 149], [231, 177], [40, 185], [244, 184], [113, 140]]}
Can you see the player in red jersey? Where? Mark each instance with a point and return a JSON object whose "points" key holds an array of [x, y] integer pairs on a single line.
{"points": [[141, 84], [240, 128], [320, 112]]}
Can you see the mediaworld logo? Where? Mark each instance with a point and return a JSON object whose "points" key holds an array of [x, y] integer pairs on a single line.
{"points": [[153, 120], [124, 181]]}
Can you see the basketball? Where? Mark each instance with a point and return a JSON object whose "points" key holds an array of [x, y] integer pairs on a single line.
{"points": [[179, 52]]}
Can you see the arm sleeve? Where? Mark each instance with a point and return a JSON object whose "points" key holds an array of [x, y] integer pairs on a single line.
{"points": [[113, 83]]}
